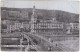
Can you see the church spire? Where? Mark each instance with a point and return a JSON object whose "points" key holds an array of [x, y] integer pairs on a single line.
{"points": [[34, 10], [34, 7], [33, 19]]}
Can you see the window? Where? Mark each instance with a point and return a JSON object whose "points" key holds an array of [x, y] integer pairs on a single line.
{"points": [[3, 26]]}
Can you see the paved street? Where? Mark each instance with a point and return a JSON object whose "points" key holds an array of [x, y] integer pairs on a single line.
{"points": [[44, 42]]}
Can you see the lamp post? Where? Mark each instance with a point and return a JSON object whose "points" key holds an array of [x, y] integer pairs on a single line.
{"points": [[21, 41], [50, 48]]}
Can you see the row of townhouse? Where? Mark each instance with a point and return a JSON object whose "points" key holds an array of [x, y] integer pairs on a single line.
{"points": [[15, 25], [50, 27]]}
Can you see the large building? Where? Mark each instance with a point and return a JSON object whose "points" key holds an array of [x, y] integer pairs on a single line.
{"points": [[72, 28], [49, 27]]}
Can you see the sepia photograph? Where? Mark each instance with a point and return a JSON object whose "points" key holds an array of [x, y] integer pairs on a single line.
{"points": [[39, 25]]}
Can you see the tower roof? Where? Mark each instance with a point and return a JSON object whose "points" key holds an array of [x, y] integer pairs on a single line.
{"points": [[34, 6]]}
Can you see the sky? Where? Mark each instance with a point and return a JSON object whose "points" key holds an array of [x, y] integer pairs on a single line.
{"points": [[69, 6]]}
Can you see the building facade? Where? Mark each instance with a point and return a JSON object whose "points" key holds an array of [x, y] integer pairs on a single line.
{"points": [[48, 27], [72, 28]]}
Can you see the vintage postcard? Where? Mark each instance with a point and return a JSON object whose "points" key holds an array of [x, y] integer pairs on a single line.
{"points": [[39, 25]]}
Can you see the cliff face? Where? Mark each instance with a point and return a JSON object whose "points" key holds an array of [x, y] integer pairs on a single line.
{"points": [[61, 16]]}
